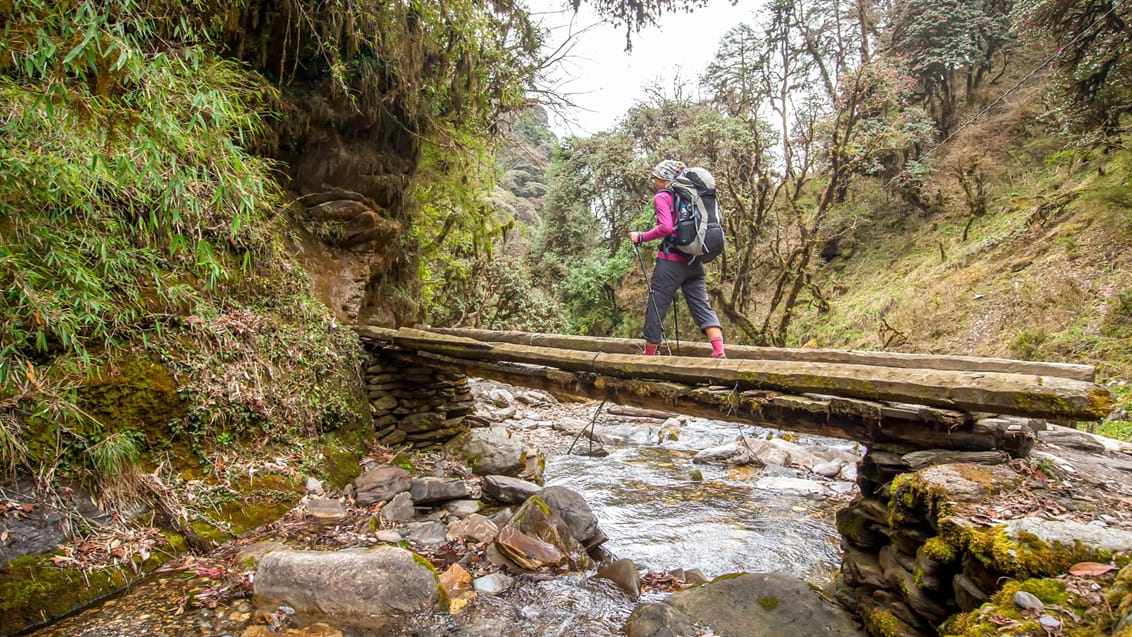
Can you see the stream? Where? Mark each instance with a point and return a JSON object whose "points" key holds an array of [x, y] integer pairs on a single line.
{"points": [[650, 506]]}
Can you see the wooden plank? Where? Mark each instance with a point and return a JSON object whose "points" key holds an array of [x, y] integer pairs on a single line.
{"points": [[994, 392], [800, 414], [1085, 373]]}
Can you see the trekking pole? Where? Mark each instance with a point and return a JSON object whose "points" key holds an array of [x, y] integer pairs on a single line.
{"points": [[676, 321], [593, 421], [649, 303]]}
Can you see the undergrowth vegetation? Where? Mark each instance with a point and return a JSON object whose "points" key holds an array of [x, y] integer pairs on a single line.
{"points": [[134, 224]]}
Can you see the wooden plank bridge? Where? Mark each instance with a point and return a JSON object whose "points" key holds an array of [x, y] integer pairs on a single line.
{"points": [[924, 401]]}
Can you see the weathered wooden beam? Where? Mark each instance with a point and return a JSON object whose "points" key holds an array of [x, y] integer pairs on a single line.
{"points": [[994, 392], [1086, 373], [861, 421]]}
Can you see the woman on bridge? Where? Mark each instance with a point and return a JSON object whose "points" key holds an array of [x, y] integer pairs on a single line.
{"points": [[674, 269]]}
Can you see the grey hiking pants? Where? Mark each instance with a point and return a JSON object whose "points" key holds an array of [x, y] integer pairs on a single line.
{"points": [[667, 277]]}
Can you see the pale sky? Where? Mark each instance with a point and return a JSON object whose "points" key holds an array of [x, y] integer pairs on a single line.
{"points": [[605, 81]]}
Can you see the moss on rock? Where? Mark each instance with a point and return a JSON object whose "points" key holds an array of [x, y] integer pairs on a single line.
{"points": [[35, 590]]}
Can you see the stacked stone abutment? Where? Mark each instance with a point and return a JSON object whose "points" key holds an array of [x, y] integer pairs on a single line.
{"points": [[413, 404], [889, 574], [936, 534]]}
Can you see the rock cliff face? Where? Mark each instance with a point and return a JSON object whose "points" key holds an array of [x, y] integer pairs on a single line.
{"points": [[348, 142]]}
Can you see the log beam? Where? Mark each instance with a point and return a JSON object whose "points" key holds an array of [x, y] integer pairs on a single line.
{"points": [[1085, 373], [862, 421], [995, 392]]}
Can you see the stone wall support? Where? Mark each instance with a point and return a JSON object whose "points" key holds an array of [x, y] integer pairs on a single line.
{"points": [[415, 405]]}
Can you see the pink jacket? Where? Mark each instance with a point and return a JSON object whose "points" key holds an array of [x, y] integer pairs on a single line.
{"points": [[665, 225]]}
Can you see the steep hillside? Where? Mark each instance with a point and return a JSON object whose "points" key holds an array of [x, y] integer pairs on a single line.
{"points": [[1021, 248]]}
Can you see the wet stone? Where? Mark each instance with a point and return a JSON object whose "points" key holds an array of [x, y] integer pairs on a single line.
{"points": [[493, 584], [399, 509], [430, 490], [509, 490], [381, 483]]}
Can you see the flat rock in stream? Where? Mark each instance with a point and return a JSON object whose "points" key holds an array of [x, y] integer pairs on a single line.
{"points": [[750, 605], [381, 483], [509, 490], [360, 584], [488, 450]]}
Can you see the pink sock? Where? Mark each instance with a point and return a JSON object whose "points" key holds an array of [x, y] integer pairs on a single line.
{"points": [[650, 348], [717, 348]]}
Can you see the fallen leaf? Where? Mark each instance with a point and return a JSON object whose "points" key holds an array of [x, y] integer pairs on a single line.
{"points": [[1090, 569]]}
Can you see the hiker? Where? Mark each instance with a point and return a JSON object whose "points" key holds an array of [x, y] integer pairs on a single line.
{"points": [[674, 269]]}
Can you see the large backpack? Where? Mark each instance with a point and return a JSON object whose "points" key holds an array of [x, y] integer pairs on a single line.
{"points": [[699, 224]]}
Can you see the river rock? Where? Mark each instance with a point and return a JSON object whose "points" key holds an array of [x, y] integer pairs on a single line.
{"points": [[475, 527], [380, 484], [314, 486], [431, 490], [828, 468], [372, 583], [797, 486], [1070, 534], [625, 575], [508, 490], [572, 508], [326, 508], [462, 508], [499, 397], [753, 604], [732, 453], [489, 450], [389, 536], [399, 509], [797, 455], [493, 584], [428, 533], [318, 629], [457, 585], [533, 531], [1028, 601], [527, 551], [658, 620], [536, 398]]}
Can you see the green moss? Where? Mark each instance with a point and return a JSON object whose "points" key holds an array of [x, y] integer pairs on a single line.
{"points": [[1027, 556], [242, 517], [340, 466], [768, 603], [911, 499], [442, 602], [727, 576], [33, 590], [940, 550], [403, 460], [989, 619], [882, 624]]}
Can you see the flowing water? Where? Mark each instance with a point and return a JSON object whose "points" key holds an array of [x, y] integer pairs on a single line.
{"points": [[736, 519], [648, 503]]}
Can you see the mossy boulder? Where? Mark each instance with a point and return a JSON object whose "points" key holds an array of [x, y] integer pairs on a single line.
{"points": [[35, 590]]}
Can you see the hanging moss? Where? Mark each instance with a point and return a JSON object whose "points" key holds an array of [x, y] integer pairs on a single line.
{"points": [[940, 550]]}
